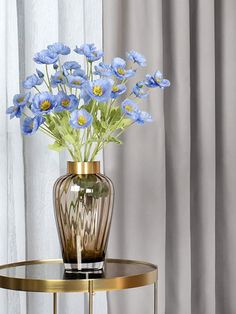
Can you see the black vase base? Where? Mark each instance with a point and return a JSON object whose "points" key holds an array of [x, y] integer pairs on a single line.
{"points": [[92, 267]]}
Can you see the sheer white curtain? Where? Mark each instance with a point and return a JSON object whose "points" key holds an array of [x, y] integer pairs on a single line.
{"points": [[28, 168]]}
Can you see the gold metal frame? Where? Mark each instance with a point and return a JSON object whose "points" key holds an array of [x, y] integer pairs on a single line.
{"points": [[80, 285], [83, 167]]}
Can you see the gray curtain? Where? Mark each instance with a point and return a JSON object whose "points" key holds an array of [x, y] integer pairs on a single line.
{"points": [[175, 179]]}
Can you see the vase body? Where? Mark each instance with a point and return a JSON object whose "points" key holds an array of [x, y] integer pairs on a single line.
{"points": [[83, 203]]}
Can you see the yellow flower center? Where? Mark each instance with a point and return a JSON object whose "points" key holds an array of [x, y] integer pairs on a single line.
{"points": [[128, 108], [19, 100], [82, 120], [97, 90], [31, 125], [45, 105], [115, 89], [158, 79], [121, 71], [65, 102], [76, 82]]}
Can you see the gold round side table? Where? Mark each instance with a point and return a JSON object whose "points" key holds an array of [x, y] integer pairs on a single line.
{"points": [[49, 276]]}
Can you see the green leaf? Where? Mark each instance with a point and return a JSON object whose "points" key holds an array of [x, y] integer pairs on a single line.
{"points": [[113, 139], [56, 147]]}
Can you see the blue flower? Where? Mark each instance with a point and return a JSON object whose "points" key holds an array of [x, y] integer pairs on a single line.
{"points": [[79, 72], [85, 96], [19, 102], [21, 99], [15, 111], [46, 56], [75, 81], [65, 102], [31, 125], [57, 78], [90, 52], [71, 65], [118, 90], [103, 69], [99, 89], [130, 109], [136, 57], [80, 119], [119, 69], [32, 81], [143, 116], [59, 48], [43, 103], [40, 74], [156, 80], [139, 91]]}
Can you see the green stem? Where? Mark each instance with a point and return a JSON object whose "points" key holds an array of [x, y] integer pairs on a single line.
{"points": [[49, 85], [37, 89]]}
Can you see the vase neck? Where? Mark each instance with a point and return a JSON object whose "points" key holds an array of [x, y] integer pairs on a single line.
{"points": [[84, 167]]}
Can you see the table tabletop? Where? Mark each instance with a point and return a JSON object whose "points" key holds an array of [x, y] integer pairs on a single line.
{"points": [[49, 276]]}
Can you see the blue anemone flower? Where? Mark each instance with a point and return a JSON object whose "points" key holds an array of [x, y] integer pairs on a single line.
{"points": [[75, 81], [59, 48], [58, 78], [80, 119], [103, 69], [46, 56], [118, 90], [32, 81], [130, 109], [99, 89], [40, 74], [71, 65], [90, 52], [136, 57], [31, 125], [143, 117], [65, 102], [156, 80], [43, 103], [139, 91], [118, 66]]}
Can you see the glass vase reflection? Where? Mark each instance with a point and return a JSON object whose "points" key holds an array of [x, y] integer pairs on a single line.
{"points": [[83, 204]]}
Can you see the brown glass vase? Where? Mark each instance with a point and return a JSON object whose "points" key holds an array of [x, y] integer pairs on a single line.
{"points": [[83, 203]]}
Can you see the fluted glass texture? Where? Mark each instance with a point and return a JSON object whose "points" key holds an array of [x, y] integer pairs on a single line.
{"points": [[83, 206]]}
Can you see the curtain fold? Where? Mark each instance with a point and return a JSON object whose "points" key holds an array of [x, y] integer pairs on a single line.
{"points": [[175, 178]]}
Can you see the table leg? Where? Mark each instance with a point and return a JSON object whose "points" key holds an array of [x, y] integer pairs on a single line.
{"points": [[90, 291], [54, 303], [155, 297]]}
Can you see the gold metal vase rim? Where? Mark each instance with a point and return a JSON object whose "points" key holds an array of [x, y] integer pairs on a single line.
{"points": [[83, 167]]}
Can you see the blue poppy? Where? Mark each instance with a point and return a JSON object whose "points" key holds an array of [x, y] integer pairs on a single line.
{"points": [[143, 116], [71, 65], [65, 102], [80, 72], [21, 99], [59, 48], [32, 81], [58, 78], [156, 80], [130, 109], [46, 56], [136, 57], [103, 69], [40, 74], [118, 90], [80, 119], [15, 111], [43, 103], [139, 91], [90, 52], [85, 96], [118, 66], [99, 89], [31, 125], [75, 81]]}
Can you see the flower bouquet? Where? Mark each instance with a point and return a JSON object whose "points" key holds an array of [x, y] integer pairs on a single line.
{"points": [[82, 110]]}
